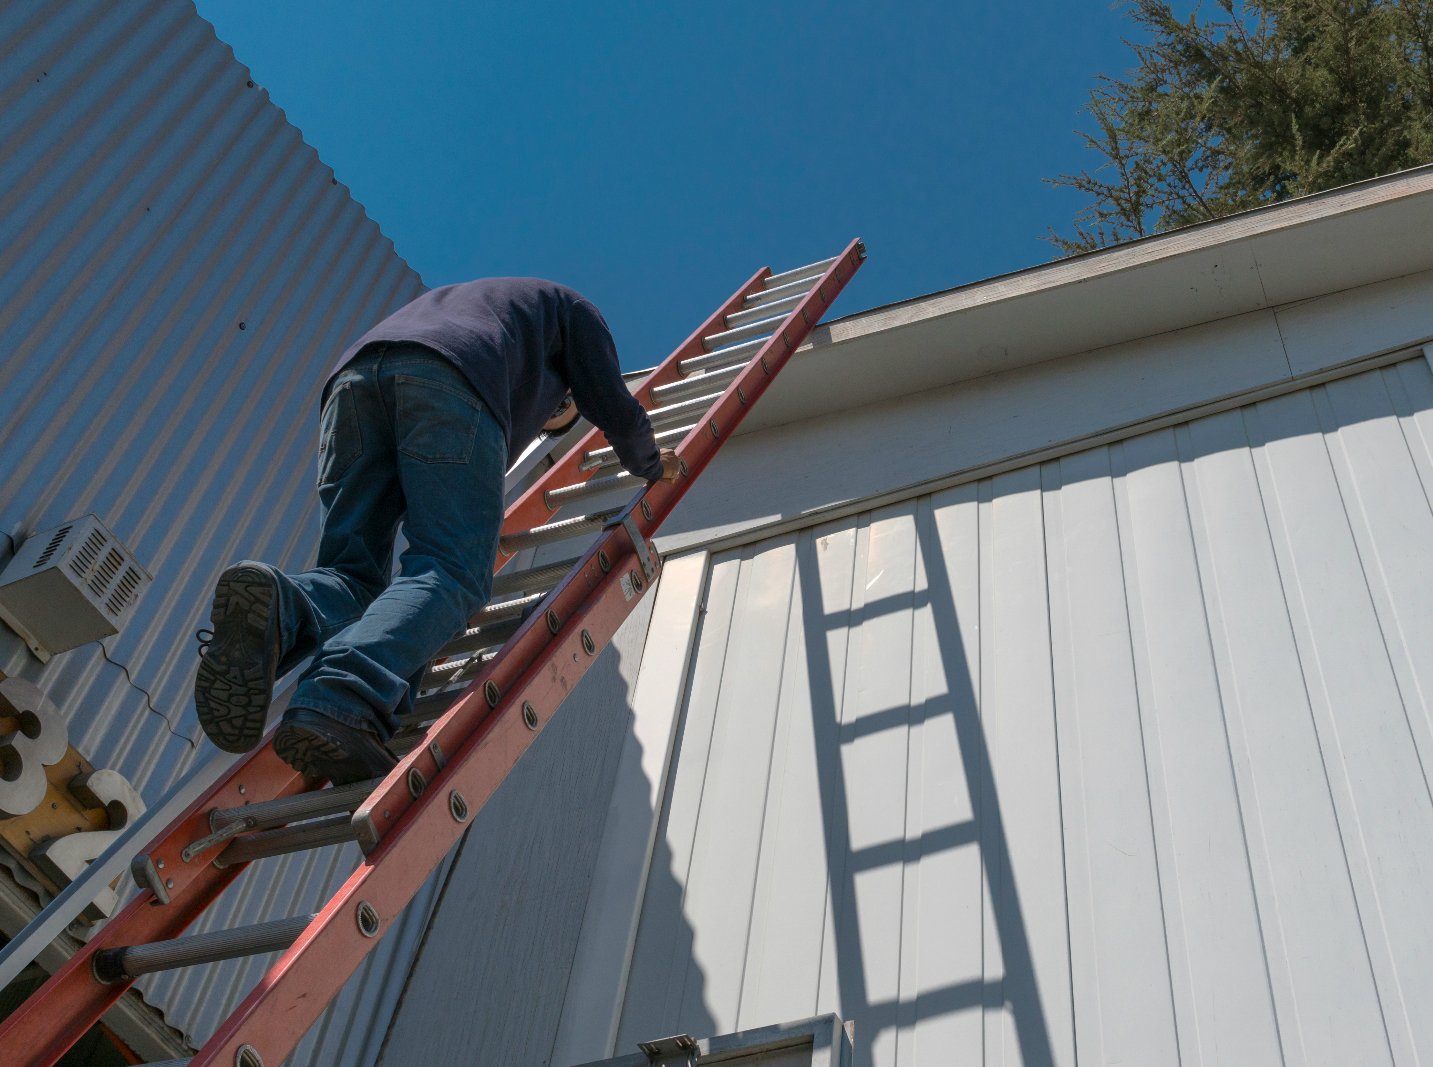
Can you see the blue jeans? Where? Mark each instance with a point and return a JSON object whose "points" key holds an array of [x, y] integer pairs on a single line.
{"points": [[403, 437]]}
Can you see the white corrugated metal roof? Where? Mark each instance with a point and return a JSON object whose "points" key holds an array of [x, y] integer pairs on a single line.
{"points": [[178, 269]]}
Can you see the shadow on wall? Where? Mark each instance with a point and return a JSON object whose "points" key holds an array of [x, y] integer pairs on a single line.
{"points": [[490, 984], [1016, 990]]}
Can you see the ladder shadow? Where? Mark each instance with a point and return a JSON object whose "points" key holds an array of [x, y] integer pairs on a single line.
{"points": [[1015, 989]]}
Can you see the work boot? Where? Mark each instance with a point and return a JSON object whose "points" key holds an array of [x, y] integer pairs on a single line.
{"points": [[235, 683], [319, 747]]}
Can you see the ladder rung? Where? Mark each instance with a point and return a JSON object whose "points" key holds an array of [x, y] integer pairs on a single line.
{"points": [[800, 274], [298, 837], [761, 311], [571, 494], [508, 609], [683, 411], [759, 328], [485, 636], [557, 531], [781, 292], [722, 357], [602, 457], [311, 805], [697, 383], [534, 579], [445, 674], [430, 707], [131, 961]]}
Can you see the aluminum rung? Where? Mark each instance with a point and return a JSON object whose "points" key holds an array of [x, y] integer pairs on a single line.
{"points": [[741, 318], [298, 837], [445, 674], [800, 274], [485, 636], [571, 494], [759, 328], [131, 961], [697, 383], [311, 805], [534, 579], [508, 609], [605, 457], [684, 411], [430, 707], [556, 531], [722, 357], [781, 292]]}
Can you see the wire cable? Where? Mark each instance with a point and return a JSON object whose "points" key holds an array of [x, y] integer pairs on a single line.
{"points": [[147, 700]]}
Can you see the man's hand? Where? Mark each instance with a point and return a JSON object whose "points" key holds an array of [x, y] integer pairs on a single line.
{"points": [[670, 468]]}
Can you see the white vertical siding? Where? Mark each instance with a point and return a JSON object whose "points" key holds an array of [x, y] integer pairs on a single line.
{"points": [[1114, 759]]}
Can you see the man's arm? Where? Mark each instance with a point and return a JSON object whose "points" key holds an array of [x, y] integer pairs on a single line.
{"points": [[603, 398]]}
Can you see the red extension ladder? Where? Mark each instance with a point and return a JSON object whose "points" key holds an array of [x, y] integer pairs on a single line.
{"points": [[489, 693]]}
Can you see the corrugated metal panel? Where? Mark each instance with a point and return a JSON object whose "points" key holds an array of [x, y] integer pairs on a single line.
{"points": [[177, 271], [1115, 759]]}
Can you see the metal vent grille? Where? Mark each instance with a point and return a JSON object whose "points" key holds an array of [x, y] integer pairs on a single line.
{"points": [[123, 591], [105, 572], [55, 542], [88, 553]]}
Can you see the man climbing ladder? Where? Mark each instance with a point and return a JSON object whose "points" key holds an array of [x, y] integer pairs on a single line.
{"points": [[418, 419], [468, 739]]}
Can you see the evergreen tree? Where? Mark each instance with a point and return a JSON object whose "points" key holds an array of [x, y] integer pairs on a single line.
{"points": [[1267, 100]]}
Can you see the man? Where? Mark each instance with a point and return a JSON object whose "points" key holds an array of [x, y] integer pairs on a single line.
{"points": [[418, 420]]}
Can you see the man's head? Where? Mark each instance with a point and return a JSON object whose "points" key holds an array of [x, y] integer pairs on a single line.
{"points": [[563, 418]]}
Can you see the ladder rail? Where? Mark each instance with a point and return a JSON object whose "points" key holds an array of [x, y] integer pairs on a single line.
{"points": [[466, 754]]}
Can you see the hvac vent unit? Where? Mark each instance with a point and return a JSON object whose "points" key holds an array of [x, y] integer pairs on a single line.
{"points": [[69, 586]]}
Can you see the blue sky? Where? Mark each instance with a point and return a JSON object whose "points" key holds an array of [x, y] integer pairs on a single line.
{"points": [[654, 155]]}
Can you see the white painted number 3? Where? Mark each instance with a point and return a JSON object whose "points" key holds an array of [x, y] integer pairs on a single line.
{"points": [[42, 740]]}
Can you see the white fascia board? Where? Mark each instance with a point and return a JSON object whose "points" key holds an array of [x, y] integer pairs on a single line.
{"points": [[1296, 250]]}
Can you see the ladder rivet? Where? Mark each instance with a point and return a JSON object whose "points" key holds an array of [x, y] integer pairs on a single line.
{"points": [[169, 883], [242, 790], [682, 466], [764, 366], [637, 581], [160, 864], [589, 645], [646, 511], [367, 916], [529, 713], [247, 1055], [458, 806], [786, 339], [553, 622], [603, 561], [416, 782], [490, 690], [387, 814], [806, 316], [740, 395], [712, 426]]}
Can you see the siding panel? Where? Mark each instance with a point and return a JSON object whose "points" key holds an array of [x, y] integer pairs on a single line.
{"points": [[151, 200], [1113, 760]]}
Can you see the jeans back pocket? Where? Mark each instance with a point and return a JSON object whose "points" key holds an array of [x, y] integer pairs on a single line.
{"points": [[340, 441], [436, 423]]}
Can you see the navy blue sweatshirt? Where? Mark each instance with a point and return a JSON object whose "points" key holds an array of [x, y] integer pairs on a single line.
{"points": [[523, 343]]}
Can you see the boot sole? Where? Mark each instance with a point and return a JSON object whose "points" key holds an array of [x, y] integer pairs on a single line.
{"points": [[235, 683], [316, 756]]}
